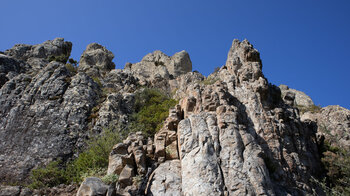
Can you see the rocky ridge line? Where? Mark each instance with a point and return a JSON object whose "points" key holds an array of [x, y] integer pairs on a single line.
{"points": [[232, 132]]}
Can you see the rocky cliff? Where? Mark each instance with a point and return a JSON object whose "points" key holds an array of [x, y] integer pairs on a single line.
{"points": [[231, 133]]}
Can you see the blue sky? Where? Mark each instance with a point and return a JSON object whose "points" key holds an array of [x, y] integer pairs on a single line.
{"points": [[304, 43]]}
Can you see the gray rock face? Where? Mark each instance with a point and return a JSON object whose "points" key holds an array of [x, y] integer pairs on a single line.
{"points": [[15, 191], [166, 179], [240, 137], [300, 98], [200, 172], [235, 136], [96, 60], [52, 48], [43, 114], [157, 65], [92, 187], [333, 124]]}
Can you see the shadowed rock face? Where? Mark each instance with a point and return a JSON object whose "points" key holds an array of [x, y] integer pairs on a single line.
{"points": [[230, 134]]}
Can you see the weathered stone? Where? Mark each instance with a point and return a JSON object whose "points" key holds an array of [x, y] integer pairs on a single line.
{"points": [[10, 190], [56, 49], [301, 99], [238, 135], [240, 129], [118, 158], [96, 60], [200, 170], [166, 179], [140, 160], [125, 178], [157, 66], [333, 123], [92, 187], [52, 107], [289, 98]]}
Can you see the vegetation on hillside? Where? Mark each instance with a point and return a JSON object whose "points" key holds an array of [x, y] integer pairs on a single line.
{"points": [[336, 162], [312, 109], [151, 109]]}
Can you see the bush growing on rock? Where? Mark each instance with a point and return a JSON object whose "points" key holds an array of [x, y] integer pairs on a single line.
{"points": [[62, 58], [48, 176], [337, 164], [95, 157], [151, 109], [312, 109]]}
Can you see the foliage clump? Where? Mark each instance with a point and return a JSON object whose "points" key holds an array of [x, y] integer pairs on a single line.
{"points": [[48, 176], [312, 108], [72, 66], [110, 179], [95, 157], [97, 81], [151, 109], [62, 58], [336, 162], [209, 80], [91, 162]]}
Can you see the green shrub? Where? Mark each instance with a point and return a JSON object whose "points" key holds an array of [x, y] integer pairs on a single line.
{"points": [[151, 109], [73, 62], [71, 68], [312, 109], [95, 157], [97, 80], [48, 176], [110, 179], [95, 172], [137, 180], [209, 81], [62, 58], [336, 162]]}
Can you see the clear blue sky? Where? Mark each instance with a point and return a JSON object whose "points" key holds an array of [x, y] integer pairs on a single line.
{"points": [[304, 44]]}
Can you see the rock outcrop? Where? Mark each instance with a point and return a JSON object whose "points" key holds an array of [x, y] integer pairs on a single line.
{"points": [[232, 133], [300, 98], [333, 124], [157, 67], [42, 113], [96, 60]]}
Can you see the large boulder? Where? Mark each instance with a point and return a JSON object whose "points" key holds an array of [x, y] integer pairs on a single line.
{"points": [[92, 187], [166, 179]]}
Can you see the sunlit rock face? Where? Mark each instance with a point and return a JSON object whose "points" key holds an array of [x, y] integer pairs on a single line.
{"points": [[232, 133]]}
